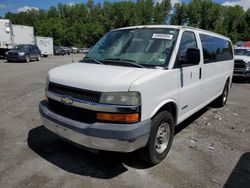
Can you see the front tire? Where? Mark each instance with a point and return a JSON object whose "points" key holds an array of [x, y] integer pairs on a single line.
{"points": [[160, 139], [38, 57], [27, 59]]}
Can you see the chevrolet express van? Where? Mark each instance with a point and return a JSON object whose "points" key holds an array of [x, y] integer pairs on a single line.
{"points": [[135, 85]]}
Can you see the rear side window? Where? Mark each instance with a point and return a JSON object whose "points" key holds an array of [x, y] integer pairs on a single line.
{"points": [[215, 49]]}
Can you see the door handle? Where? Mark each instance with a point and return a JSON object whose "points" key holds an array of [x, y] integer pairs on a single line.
{"points": [[200, 73]]}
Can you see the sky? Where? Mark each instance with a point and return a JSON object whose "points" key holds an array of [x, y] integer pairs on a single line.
{"points": [[24, 5]]}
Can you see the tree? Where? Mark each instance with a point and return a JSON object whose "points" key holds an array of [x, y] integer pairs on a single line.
{"points": [[179, 14], [83, 24]]}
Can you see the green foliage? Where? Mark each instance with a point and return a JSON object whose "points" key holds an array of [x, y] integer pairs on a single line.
{"points": [[233, 22], [81, 25]]}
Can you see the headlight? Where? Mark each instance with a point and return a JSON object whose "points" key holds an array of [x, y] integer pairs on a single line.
{"points": [[132, 98], [6, 53], [21, 53]]}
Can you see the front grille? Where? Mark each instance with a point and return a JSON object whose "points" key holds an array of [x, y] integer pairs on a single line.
{"points": [[239, 64], [12, 54], [76, 93], [71, 112]]}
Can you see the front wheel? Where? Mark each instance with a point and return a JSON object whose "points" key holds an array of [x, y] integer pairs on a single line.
{"points": [[27, 59], [38, 57], [160, 139]]}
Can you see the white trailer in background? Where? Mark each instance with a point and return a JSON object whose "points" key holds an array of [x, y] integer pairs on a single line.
{"points": [[45, 44], [6, 36], [23, 34]]}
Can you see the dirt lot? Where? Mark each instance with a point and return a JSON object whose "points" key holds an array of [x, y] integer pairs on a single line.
{"points": [[210, 149]]}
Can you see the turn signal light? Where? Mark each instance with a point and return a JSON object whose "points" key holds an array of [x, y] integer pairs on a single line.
{"points": [[128, 118]]}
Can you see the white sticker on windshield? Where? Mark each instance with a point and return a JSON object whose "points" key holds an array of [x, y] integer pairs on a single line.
{"points": [[162, 36]]}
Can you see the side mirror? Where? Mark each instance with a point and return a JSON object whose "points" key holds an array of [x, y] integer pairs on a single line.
{"points": [[192, 57]]}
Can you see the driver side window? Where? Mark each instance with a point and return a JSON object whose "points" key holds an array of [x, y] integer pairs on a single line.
{"points": [[188, 41]]}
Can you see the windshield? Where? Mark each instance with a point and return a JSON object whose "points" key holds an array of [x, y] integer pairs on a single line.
{"points": [[20, 47], [244, 52], [144, 46]]}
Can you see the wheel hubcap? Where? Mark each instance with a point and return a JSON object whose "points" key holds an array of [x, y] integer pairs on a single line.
{"points": [[162, 137]]}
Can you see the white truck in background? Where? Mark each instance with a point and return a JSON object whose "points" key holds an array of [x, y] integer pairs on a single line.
{"points": [[23, 34], [6, 36], [45, 44]]}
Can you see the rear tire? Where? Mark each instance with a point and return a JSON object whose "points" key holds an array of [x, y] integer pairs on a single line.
{"points": [[160, 139], [222, 99]]}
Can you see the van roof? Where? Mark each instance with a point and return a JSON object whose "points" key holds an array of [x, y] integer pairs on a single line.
{"points": [[173, 27]]}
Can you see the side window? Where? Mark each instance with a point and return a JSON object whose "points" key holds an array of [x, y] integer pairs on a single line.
{"points": [[215, 49], [188, 40]]}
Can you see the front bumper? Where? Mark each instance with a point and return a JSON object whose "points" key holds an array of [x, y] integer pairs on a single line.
{"points": [[15, 58], [101, 136]]}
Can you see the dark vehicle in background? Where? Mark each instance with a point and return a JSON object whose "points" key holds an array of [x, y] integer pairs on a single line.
{"points": [[242, 62], [61, 50], [24, 52], [58, 50], [66, 50]]}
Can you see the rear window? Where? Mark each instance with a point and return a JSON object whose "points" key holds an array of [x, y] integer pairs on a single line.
{"points": [[215, 49]]}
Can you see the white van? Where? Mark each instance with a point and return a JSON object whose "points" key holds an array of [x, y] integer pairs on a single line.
{"points": [[45, 44], [135, 85]]}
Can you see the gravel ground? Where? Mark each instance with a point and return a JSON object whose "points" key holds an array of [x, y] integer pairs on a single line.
{"points": [[210, 149]]}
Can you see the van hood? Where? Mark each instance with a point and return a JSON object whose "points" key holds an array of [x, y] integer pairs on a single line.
{"points": [[95, 77]]}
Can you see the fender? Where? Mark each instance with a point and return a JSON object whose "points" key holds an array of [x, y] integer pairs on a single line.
{"points": [[164, 103]]}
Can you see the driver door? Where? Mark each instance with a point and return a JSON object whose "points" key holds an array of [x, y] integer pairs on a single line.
{"points": [[190, 86]]}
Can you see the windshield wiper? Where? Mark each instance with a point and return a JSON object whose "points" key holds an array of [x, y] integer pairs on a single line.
{"points": [[91, 61], [124, 61]]}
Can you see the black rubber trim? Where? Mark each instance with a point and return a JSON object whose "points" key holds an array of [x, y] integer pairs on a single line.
{"points": [[124, 132]]}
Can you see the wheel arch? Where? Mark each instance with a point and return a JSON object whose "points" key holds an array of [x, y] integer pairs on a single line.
{"points": [[168, 105]]}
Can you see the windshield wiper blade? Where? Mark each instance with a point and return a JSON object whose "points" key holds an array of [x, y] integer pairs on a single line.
{"points": [[124, 61], [91, 61], [119, 59]]}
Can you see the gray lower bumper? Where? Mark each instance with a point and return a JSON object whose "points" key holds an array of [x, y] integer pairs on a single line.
{"points": [[101, 136]]}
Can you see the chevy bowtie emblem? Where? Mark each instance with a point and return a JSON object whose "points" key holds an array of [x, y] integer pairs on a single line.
{"points": [[67, 101]]}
